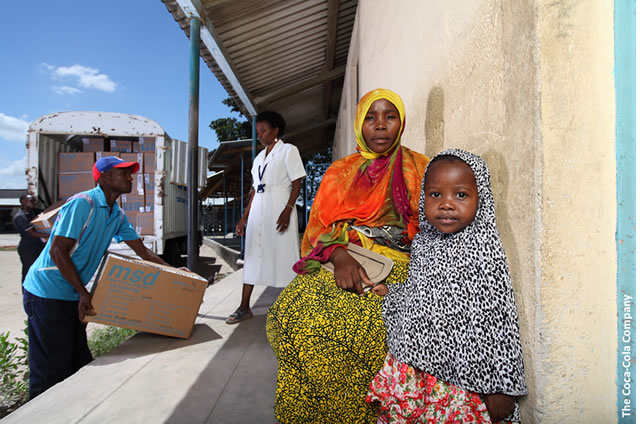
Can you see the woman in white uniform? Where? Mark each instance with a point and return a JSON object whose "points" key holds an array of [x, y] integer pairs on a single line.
{"points": [[271, 245]]}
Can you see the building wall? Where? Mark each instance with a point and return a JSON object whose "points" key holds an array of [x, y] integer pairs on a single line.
{"points": [[528, 86]]}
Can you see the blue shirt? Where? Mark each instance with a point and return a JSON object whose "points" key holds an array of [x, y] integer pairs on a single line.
{"points": [[85, 218]]}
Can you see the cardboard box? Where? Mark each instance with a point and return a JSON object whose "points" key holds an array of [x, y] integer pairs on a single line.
{"points": [[149, 162], [70, 183], [149, 192], [76, 162], [134, 157], [122, 146], [44, 221], [132, 204], [92, 144], [146, 296], [144, 223], [146, 144]]}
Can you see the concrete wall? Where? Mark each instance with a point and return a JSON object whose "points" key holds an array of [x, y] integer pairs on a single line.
{"points": [[528, 85]]}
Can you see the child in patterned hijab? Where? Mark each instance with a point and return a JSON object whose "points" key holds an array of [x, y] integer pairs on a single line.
{"points": [[452, 326]]}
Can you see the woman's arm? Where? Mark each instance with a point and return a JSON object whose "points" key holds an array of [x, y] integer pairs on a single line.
{"points": [[283, 220], [243, 221], [349, 274]]}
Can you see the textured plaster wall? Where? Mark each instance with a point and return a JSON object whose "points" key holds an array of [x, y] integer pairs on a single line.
{"points": [[527, 85], [578, 273]]}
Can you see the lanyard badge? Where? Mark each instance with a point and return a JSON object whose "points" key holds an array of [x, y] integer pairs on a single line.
{"points": [[260, 175]]}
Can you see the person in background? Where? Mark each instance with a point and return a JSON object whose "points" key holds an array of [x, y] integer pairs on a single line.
{"points": [[271, 247], [31, 241], [54, 294]]}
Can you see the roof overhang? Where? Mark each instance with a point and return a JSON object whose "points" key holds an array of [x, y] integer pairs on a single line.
{"points": [[283, 55]]}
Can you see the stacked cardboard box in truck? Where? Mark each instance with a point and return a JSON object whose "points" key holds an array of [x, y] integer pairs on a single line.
{"points": [[144, 145], [121, 146], [75, 173], [92, 144]]}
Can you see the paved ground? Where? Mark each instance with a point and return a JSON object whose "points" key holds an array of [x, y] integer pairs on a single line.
{"points": [[222, 374], [12, 315]]}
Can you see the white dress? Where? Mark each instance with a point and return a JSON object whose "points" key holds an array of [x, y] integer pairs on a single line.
{"points": [[269, 255]]}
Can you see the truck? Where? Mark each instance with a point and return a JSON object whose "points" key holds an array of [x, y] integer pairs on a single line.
{"points": [[68, 139]]}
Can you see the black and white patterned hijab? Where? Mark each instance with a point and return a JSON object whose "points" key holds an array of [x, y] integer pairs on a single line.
{"points": [[455, 316]]}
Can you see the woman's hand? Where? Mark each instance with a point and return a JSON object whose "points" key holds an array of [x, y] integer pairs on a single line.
{"points": [[240, 226], [499, 405], [283, 220], [349, 274]]}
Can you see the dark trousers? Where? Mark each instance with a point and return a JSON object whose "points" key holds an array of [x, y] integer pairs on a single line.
{"points": [[57, 341], [28, 256]]}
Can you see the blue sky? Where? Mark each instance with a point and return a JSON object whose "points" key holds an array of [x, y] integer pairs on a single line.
{"points": [[126, 56]]}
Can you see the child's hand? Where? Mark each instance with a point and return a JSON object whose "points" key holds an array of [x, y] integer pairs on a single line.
{"points": [[499, 405], [380, 289]]}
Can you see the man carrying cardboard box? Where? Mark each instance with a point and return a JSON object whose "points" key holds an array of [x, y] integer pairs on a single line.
{"points": [[55, 298], [31, 240]]}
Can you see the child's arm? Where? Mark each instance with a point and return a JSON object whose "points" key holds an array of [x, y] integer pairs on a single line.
{"points": [[499, 405]]}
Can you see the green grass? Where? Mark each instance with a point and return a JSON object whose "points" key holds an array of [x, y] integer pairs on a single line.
{"points": [[105, 339]]}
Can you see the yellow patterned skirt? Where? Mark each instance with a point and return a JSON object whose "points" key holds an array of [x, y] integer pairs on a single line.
{"points": [[329, 344]]}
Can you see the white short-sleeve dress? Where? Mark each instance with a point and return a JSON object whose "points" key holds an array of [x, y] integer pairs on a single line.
{"points": [[270, 255]]}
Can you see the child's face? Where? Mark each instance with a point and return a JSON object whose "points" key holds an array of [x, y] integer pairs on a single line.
{"points": [[381, 125], [451, 195]]}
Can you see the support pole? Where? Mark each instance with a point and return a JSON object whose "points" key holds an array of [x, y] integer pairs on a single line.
{"points": [[192, 146], [241, 195], [224, 189], [254, 139]]}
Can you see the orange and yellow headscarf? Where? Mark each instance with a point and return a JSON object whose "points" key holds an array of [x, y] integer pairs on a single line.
{"points": [[361, 112], [367, 189]]}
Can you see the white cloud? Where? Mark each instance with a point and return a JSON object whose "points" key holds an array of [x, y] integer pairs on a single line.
{"points": [[87, 77], [12, 175], [84, 76], [46, 67], [13, 129], [65, 89]]}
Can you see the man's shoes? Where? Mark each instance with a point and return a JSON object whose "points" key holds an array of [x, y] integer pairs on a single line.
{"points": [[239, 315]]}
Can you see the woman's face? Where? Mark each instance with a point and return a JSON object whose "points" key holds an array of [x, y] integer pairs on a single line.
{"points": [[451, 195], [266, 134], [381, 125]]}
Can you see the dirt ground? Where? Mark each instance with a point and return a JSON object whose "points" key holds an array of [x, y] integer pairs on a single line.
{"points": [[12, 315]]}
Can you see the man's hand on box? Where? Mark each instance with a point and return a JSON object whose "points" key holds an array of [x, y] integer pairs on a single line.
{"points": [[84, 307]]}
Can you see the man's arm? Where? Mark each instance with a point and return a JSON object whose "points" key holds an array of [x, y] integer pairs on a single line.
{"points": [[37, 234], [59, 252], [144, 253]]}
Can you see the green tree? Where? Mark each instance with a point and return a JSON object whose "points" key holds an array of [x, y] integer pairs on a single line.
{"points": [[231, 128]]}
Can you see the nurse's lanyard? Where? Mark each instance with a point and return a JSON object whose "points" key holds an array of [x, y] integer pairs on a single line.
{"points": [[260, 175]]}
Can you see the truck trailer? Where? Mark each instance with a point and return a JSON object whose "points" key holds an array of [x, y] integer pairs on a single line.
{"points": [[61, 148]]}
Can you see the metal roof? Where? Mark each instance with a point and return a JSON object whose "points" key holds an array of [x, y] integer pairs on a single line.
{"points": [[284, 55]]}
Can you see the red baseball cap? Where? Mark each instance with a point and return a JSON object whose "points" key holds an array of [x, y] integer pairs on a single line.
{"points": [[106, 163]]}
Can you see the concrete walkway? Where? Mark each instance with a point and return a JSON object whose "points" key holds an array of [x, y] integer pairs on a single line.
{"points": [[223, 374]]}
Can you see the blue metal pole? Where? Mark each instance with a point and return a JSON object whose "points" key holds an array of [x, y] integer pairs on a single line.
{"points": [[241, 195], [254, 138], [306, 198], [224, 190], [192, 157]]}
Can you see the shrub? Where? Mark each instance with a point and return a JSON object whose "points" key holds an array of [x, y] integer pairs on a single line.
{"points": [[104, 339], [14, 372]]}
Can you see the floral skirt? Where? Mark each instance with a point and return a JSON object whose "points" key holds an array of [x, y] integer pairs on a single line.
{"points": [[407, 395], [329, 344]]}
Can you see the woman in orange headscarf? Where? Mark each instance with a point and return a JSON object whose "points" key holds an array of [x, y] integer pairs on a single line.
{"points": [[325, 330]]}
